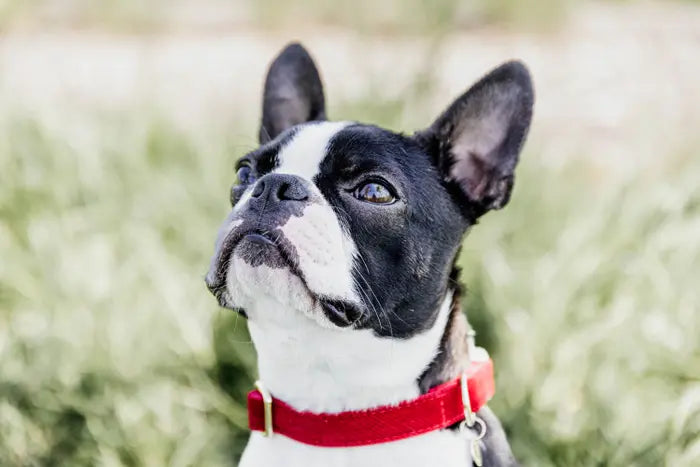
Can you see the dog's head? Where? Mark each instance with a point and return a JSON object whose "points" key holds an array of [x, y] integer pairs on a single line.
{"points": [[354, 226]]}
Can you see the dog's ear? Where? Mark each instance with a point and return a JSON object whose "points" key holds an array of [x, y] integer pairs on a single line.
{"points": [[476, 141], [293, 93]]}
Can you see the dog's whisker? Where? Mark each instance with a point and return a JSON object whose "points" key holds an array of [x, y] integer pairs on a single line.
{"points": [[359, 254], [371, 303]]}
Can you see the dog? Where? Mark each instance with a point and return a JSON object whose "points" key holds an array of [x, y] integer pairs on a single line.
{"points": [[340, 251]]}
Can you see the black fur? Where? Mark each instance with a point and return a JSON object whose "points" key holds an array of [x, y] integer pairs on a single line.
{"points": [[406, 249]]}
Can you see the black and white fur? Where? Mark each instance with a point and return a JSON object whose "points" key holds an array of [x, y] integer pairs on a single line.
{"points": [[354, 304]]}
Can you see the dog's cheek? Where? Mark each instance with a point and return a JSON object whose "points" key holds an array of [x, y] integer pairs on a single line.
{"points": [[325, 252]]}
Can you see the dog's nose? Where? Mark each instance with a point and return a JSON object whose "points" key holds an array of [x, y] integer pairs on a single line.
{"points": [[281, 187]]}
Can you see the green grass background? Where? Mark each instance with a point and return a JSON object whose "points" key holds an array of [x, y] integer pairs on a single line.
{"points": [[585, 289]]}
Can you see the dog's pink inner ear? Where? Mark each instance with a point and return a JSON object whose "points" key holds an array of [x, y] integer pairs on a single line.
{"points": [[293, 93], [480, 162], [480, 135]]}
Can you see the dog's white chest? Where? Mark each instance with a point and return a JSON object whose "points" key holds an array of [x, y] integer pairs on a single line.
{"points": [[444, 448]]}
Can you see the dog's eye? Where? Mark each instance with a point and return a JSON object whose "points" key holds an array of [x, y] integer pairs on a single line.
{"points": [[245, 175], [374, 192]]}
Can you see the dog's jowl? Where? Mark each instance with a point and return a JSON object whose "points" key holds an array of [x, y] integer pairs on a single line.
{"points": [[340, 251]]}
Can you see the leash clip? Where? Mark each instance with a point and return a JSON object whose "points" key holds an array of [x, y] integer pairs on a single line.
{"points": [[469, 416], [470, 420], [476, 354], [475, 447], [267, 406]]}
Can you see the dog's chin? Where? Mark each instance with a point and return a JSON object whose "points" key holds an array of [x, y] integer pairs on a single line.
{"points": [[256, 250], [260, 273]]}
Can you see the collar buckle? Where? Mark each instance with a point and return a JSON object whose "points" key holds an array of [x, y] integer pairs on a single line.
{"points": [[267, 407]]}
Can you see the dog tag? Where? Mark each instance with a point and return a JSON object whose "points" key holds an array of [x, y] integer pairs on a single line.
{"points": [[476, 454]]}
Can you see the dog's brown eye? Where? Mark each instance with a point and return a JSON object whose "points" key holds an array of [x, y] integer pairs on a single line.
{"points": [[374, 192], [245, 175]]}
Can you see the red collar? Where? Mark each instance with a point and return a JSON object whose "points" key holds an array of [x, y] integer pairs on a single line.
{"points": [[439, 408]]}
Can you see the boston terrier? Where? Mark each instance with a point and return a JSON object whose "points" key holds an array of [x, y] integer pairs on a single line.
{"points": [[340, 251]]}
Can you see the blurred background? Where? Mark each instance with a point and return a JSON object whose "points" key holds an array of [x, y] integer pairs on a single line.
{"points": [[120, 122]]}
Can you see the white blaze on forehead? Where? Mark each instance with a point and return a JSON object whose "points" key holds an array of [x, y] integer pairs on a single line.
{"points": [[303, 154]]}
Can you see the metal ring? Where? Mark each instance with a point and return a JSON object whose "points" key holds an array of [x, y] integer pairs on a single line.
{"points": [[464, 426], [482, 428]]}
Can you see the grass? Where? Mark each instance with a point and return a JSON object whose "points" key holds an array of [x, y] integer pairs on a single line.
{"points": [[587, 295]]}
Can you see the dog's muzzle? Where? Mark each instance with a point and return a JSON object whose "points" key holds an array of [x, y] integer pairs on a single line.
{"points": [[253, 230], [253, 234]]}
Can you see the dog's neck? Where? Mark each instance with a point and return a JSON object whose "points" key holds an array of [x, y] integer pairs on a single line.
{"points": [[452, 358], [329, 370]]}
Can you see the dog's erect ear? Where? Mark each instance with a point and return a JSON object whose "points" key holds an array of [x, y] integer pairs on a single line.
{"points": [[293, 93], [476, 141]]}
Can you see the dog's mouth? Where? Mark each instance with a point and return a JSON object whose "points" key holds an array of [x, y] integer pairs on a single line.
{"points": [[270, 248], [342, 313], [256, 243]]}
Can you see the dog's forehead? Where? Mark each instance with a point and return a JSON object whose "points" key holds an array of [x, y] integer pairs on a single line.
{"points": [[304, 152], [308, 149]]}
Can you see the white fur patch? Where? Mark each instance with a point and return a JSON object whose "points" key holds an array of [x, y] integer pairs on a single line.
{"points": [[325, 255], [248, 284], [303, 154], [332, 370]]}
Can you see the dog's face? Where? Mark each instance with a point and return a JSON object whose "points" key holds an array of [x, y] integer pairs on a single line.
{"points": [[357, 227]]}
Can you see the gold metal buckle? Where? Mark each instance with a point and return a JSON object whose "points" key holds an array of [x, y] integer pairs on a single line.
{"points": [[267, 406]]}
